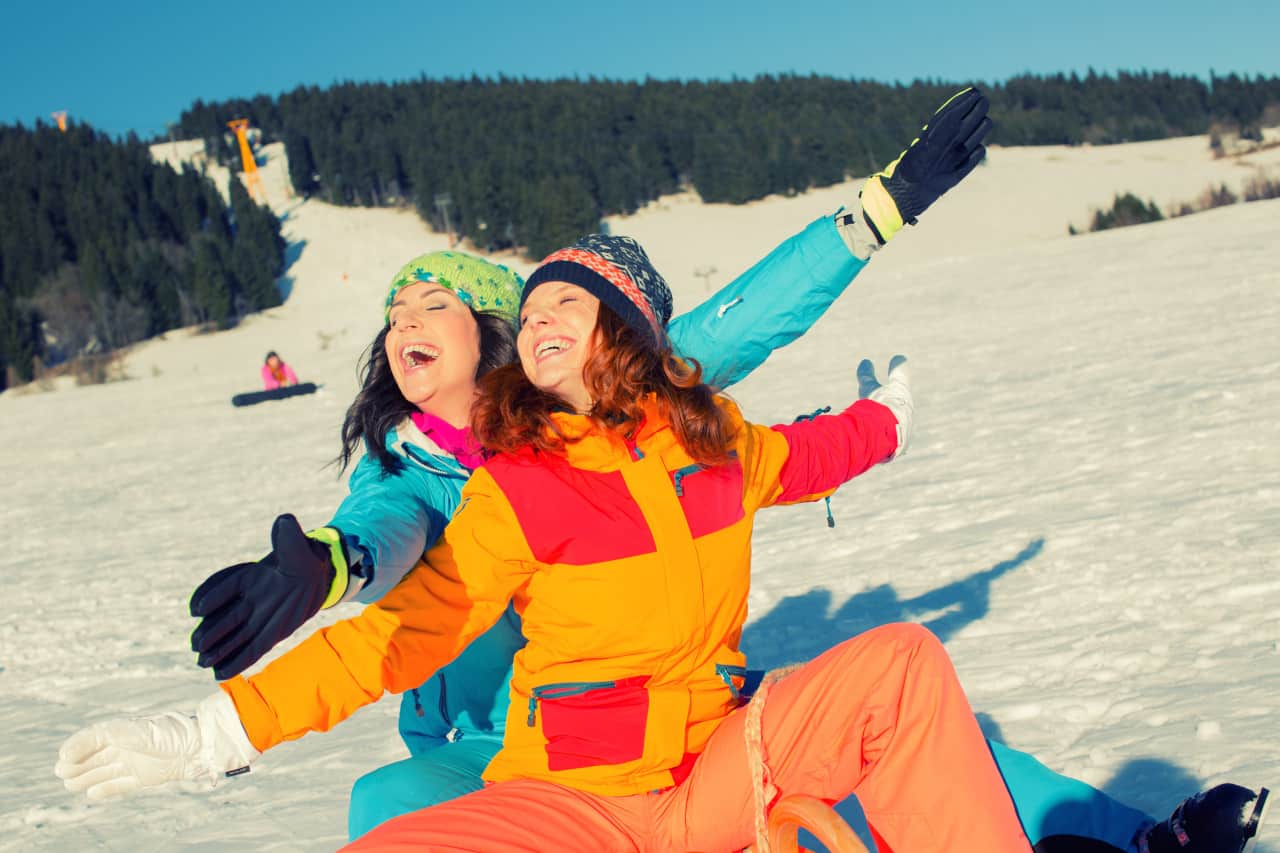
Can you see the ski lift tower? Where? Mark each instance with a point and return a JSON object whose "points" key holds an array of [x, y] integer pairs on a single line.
{"points": [[443, 201], [253, 181]]}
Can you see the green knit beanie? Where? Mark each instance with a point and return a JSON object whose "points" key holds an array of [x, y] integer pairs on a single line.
{"points": [[482, 285]]}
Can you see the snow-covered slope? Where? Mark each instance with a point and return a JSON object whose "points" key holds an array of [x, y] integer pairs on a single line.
{"points": [[1089, 514]]}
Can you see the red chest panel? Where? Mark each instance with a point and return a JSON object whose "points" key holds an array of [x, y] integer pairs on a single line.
{"points": [[710, 497], [575, 517]]}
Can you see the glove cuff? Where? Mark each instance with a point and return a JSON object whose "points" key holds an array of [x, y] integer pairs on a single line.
{"points": [[331, 538], [225, 749], [880, 210], [896, 397], [858, 235]]}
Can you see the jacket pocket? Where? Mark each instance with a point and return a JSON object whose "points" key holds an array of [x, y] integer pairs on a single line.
{"points": [[711, 497], [592, 723]]}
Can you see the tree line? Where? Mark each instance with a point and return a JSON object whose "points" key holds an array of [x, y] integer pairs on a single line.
{"points": [[533, 164], [100, 246]]}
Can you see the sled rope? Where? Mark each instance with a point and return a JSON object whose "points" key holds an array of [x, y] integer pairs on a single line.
{"points": [[762, 788]]}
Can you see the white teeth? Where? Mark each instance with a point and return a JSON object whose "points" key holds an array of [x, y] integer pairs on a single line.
{"points": [[552, 346], [406, 354]]}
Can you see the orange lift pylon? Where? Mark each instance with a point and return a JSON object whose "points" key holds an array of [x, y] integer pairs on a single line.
{"points": [[253, 181], [61, 118]]}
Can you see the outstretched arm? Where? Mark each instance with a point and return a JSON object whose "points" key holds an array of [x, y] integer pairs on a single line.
{"points": [[377, 535], [459, 590], [387, 522], [769, 305], [809, 459], [779, 298]]}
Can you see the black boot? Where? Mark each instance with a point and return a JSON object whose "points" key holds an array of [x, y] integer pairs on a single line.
{"points": [[1223, 819]]}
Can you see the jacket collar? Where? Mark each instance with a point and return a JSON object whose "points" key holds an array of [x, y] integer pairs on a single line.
{"points": [[597, 448], [410, 442]]}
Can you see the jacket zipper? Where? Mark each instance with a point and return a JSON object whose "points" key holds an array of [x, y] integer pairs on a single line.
{"points": [[454, 734], [422, 458], [561, 691], [727, 673], [680, 473]]}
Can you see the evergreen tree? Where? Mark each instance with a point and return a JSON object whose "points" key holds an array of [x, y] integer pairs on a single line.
{"points": [[100, 247], [1127, 209]]}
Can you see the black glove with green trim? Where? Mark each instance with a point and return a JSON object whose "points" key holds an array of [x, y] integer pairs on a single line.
{"points": [[247, 608], [948, 148]]}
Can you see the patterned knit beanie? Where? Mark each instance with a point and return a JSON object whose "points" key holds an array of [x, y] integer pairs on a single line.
{"points": [[616, 271], [479, 284]]}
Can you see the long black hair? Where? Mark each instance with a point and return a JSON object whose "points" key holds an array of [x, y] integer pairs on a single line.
{"points": [[379, 406]]}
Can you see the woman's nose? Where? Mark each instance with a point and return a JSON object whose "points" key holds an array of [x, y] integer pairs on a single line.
{"points": [[537, 317]]}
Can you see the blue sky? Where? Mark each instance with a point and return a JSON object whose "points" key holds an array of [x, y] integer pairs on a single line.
{"points": [[135, 65]]}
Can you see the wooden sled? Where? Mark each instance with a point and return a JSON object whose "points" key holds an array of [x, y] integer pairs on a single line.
{"points": [[796, 812]]}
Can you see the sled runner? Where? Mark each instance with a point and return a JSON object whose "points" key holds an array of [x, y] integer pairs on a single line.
{"points": [[796, 812]]}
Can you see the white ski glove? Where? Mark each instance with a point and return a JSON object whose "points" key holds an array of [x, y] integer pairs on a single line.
{"points": [[119, 757], [895, 393]]}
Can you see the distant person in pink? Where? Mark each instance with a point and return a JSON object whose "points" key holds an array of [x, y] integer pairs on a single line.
{"points": [[277, 374]]}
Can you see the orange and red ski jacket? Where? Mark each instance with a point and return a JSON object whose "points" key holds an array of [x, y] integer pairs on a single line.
{"points": [[629, 565]]}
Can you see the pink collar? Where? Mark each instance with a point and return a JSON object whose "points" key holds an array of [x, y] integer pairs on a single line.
{"points": [[456, 441]]}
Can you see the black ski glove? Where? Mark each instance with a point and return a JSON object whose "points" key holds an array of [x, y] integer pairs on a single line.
{"points": [[247, 608], [948, 148]]}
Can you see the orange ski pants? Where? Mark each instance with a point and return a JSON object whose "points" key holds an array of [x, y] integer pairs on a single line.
{"points": [[881, 715]]}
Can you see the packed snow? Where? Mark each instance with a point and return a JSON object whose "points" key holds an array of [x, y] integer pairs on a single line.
{"points": [[1089, 514]]}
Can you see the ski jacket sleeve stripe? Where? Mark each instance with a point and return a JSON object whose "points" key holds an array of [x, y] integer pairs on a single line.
{"points": [[767, 307], [459, 590], [828, 451]]}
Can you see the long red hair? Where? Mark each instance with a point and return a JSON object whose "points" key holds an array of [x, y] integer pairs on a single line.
{"points": [[626, 367]]}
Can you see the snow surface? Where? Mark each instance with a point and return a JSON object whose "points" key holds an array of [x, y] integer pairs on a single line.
{"points": [[1089, 514]]}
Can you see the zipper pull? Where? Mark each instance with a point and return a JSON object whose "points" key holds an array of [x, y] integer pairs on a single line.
{"points": [[533, 710]]}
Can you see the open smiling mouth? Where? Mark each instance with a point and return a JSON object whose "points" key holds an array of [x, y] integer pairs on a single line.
{"points": [[414, 356], [551, 347]]}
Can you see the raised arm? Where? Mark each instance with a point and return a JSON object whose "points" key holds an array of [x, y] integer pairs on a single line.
{"points": [[769, 305], [780, 297]]}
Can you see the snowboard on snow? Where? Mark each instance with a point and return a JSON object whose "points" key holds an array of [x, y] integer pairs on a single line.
{"points": [[253, 397]]}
